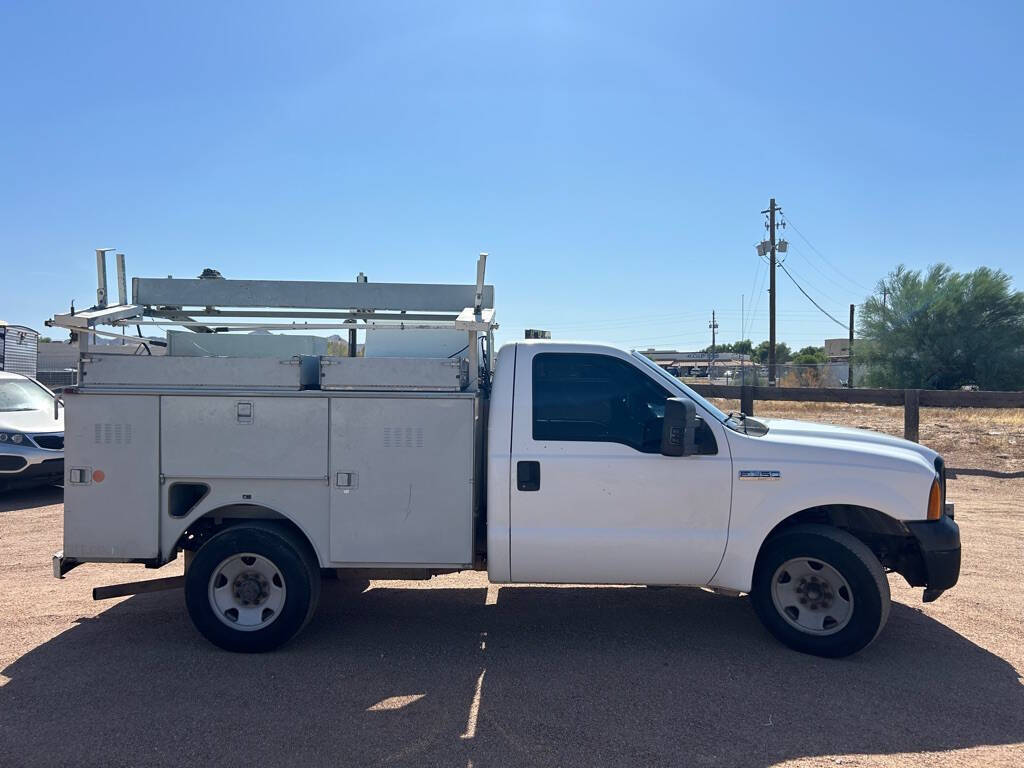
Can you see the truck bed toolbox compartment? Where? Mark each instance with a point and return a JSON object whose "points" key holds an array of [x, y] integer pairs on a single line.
{"points": [[402, 479], [111, 477], [369, 374], [244, 437], [167, 372]]}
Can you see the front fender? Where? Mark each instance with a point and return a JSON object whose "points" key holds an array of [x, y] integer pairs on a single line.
{"points": [[812, 476]]}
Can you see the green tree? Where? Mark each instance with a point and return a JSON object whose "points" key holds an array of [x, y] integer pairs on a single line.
{"points": [[740, 347], [743, 347], [810, 356], [941, 329], [782, 352]]}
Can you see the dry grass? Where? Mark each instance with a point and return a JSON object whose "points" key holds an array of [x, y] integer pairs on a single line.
{"points": [[976, 438]]}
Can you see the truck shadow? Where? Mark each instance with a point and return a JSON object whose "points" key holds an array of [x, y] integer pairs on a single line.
{"points": [[545, 676], [12, 500]]}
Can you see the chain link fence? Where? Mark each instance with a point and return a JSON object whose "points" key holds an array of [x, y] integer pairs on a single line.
{"points": [[819, 375]]}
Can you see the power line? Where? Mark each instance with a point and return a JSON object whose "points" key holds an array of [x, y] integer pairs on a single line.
{"points": [[813, 287], [754, 289], [823, 257], [757, 302], [841, 325], [841, 286]]}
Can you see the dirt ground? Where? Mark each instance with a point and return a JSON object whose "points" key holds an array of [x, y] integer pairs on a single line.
{"points": [[989, 440], [453, 672]]}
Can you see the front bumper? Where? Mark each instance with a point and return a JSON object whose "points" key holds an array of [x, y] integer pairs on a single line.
{"points": [[27, 464], [939, 544]]}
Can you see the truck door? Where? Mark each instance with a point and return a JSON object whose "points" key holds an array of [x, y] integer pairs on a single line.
{"points": [[593, 500]]}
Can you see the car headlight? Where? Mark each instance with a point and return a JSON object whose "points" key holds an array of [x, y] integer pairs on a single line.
{"points": [[15, 437]]}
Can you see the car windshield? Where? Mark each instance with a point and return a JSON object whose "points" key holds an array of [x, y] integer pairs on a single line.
{"points": [[23, 395], [662, 373]]}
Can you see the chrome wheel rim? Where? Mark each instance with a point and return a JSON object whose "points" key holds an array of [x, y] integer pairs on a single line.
{"points": [[812, 596], [247, 592]]}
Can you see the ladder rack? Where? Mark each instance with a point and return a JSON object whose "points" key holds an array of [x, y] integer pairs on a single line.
{"points": [[213, 304]]}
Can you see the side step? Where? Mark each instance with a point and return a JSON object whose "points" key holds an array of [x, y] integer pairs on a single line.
{"points": [[138, 587]]}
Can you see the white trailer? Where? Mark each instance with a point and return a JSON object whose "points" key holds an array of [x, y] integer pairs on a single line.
{"points": [[553, 463], [19, 349]]}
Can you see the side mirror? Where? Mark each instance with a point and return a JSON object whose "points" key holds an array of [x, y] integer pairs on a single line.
{"points": [[679, 427]]}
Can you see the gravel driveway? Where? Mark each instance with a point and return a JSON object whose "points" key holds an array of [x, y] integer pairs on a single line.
{"points": [[453, 673]]}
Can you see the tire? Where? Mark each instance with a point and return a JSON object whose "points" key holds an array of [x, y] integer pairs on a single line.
{"points": [[820, 590], [252, 587]]}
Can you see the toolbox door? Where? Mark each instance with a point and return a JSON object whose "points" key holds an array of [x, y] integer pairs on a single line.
{"points": [[402, 480], [111, 477]]}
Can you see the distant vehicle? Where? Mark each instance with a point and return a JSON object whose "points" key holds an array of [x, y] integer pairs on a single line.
{"points": [[31, 440]]}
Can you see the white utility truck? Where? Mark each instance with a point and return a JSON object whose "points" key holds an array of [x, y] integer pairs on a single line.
{"points": [[550, 463]]}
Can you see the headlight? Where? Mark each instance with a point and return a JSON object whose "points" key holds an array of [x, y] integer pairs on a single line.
{"points": [[15, 437]]}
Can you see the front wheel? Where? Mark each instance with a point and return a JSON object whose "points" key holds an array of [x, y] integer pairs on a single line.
{"points": [[252, 587], [820, 590]]}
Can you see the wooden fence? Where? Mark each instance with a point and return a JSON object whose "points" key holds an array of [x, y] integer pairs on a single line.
{"points": [[912, 400]]}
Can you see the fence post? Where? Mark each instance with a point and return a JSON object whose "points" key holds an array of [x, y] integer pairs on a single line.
{"points": [[747, 399], [911, 414]]}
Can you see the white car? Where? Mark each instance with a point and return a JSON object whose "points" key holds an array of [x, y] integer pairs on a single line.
{"points": [[31, 439]]}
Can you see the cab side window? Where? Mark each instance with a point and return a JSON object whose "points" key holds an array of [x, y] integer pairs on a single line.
{"points": [[596, 398]]}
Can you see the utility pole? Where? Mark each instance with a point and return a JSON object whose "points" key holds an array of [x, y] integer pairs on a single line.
{"points": [[849, 370], [713, 325], [772, 210]]}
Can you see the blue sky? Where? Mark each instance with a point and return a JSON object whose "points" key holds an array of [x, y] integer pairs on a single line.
{"points": [[612, 158]]}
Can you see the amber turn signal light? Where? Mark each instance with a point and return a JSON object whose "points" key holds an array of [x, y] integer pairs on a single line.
{"points": [[934, 502]]}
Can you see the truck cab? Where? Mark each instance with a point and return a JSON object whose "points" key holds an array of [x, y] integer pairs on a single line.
{"points": [[581, 489]]}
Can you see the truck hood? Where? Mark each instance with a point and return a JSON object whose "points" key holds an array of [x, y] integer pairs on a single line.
{"points": [[31, 421], [804, 431]]}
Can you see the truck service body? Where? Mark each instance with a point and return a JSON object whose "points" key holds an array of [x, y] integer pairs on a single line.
{"points": [[556, 462]]}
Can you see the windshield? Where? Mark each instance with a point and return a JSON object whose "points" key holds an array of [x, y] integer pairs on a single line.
{"points": [[662, 373], [23, 395]]}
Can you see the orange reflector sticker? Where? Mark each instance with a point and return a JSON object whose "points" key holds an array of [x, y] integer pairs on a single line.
{"points": [[98, 476], [934, 502]]}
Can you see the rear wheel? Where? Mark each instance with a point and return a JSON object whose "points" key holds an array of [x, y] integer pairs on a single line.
{"points": [[252, 587], [820, 590]]}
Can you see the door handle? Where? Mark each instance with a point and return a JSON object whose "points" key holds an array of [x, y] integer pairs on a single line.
{"points": [[528, 475], [348, 480]]}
